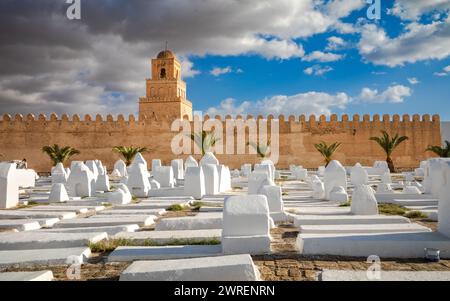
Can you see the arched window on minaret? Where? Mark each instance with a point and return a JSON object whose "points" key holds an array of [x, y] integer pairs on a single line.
{"points": [[163, 73]]}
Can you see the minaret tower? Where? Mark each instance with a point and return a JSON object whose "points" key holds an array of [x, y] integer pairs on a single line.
{"points": [[166, 92]]}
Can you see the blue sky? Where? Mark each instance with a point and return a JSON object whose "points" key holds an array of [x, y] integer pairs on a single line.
{"points": [[239, 57], [263, 78]]}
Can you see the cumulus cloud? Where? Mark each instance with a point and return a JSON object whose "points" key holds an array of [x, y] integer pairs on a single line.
{"points": [[445, 71], [217, 71], [303, 103], [393, 94], [414, 9], [335, 43], [317, 70], [413, 81], [419, 42], [323, 57]]}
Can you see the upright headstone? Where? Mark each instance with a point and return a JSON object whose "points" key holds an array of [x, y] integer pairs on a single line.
{"points": [[59, 174], [246, 225], [139, 159], [190, 162], [359, 176], [164, 176], [338, 194], [386, 178], [224, 178], [364, 201], [121, 168], [246, 170], [93, 168], [257, 180], [58, 193], [81, 182], [178, 169], [138, 182], [209, 158], [444, 202], [9, 186], [318, 189], [194, 182], [335, 176], [211, 179], [156, 163]]}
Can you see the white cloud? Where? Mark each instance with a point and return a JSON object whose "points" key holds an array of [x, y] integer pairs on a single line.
{"points": [[323, 57], [393, 94], [219, 71], [187, 69], [317, 70], [413, 81], [304, 103], [445, 72], [419, 42], [413, 9], [335, 43]]}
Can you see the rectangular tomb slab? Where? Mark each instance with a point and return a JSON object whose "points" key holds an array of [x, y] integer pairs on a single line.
{"points": [[151, 205], [163, 237], [345, 275], [221, 268], [19, 224], [142, 221], [137, 211], [301, 220], [317, 210], [26, 258], [364, 228], [24, 214], [385, 245], [163, 252], [110, 230], [189, 223], [27, 276], [40, 240]]}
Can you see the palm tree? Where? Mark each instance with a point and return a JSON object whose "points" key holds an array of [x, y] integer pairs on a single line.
{"points": [[60, 154], [263, 150], [327, 151], [389, 144], [129, 152], [204, 140], [443, 152]]}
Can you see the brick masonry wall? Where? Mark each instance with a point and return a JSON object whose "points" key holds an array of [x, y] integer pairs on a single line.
{"points": [[24, 137]]}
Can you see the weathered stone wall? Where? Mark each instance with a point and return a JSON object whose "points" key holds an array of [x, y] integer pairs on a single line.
{"points": [[24, 137]]}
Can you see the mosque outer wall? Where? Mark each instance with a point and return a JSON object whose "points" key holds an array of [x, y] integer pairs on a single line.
{"points": [[24, 137]]}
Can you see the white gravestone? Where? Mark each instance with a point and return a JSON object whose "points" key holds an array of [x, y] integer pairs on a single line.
{"points": [[444, 202], [9, 186], [364, 201], [164, 176], [211, 179], [359, 176], [59, 175], [156, 163], [209, 158], [121, 167], [194, 182], [178, 169], [93, 168], [246, 225], [81, 182], [246, 170], [190, 162], [120, 196], [224, 178], [138, 182], [58, 193], [335, 176], [338, 194]]}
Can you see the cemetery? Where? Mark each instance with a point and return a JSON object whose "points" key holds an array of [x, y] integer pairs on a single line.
{"points": [[210, 223]]}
